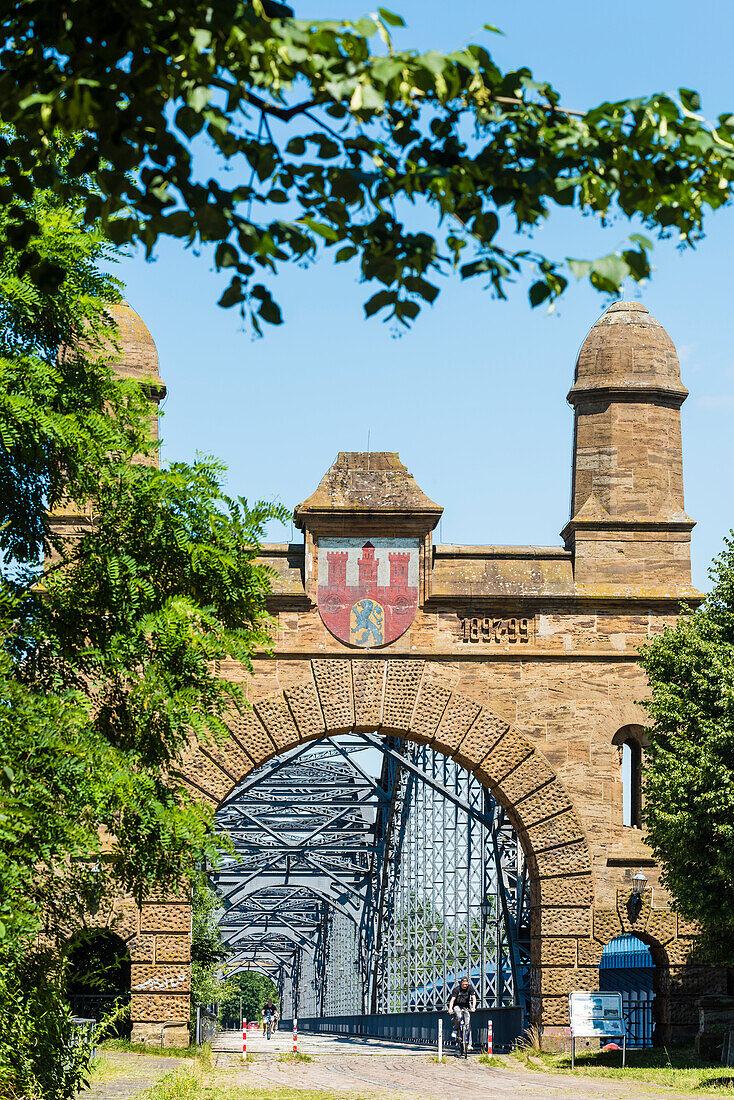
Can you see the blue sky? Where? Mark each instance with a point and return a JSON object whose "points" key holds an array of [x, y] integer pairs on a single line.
{"points": [[473, 397]]}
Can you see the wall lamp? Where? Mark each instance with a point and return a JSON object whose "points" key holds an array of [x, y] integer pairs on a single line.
{"points": [[634, 904]]}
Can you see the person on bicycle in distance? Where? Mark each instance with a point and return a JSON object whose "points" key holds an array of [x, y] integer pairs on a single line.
{"points": [[462, 1003], [270, 1017]]}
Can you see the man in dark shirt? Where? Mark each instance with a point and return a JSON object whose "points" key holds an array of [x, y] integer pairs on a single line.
{"points": [[462, 1003]]}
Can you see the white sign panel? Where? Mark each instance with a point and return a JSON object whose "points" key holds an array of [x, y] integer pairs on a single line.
{"points": [[596, 1014]]}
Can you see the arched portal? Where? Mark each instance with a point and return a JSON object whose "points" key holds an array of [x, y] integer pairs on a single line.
{"points": [[370, 874], [406, 699]]}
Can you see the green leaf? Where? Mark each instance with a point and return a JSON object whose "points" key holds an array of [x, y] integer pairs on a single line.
{"points": [[391, 18], [538, 293], [323, 230], [691, 100]]}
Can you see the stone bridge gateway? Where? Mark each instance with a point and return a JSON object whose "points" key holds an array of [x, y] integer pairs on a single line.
{"points": [[517, 662]]}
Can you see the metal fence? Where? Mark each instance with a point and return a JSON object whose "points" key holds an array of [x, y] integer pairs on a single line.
{"points": [[207, 1023], [419, 1027], [638, 1015]]}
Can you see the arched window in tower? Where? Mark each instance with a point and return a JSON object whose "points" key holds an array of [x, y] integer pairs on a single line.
{"points": [[630, 741]]}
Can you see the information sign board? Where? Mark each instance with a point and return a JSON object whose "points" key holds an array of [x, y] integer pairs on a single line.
{"points": [[596, 1015]]}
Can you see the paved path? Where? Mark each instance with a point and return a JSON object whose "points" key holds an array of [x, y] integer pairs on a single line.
{"points": [[312, 1044], [139, 1072]]}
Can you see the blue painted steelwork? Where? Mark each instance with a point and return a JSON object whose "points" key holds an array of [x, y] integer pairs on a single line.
{"points": [[366, 874], [627, 967], [419, 1027]]}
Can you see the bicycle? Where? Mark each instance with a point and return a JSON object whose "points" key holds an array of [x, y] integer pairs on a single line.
{"points": [[269, 1025], [463, 1036]]}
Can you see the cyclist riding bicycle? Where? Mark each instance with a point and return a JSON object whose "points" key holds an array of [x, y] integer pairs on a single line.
{"points": [[270, 1017], [462, 1003]]}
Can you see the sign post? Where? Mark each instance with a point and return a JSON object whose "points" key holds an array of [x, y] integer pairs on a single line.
{"points": [[596, 1016]]}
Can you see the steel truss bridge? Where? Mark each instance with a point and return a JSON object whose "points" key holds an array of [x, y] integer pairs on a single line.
{"points": [[368, 874]]}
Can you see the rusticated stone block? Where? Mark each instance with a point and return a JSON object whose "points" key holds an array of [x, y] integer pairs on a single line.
{"points": [[553, 1011], [457, 720], [553, 952], [697, 980], [368, 679], [562, 828], [589, 952], [563, 922], [570, 890], [252, 735], [231, 757], [124, 919], [275, 715], [545, 802], [607, 925], [166, 918], [682, 1012], [172, 949], [142, 949], [662, 925], [162, 978], [688, 927], [159, 1007], [680, 952], [305, 707], [506, 755], [527, 777], [207, 776], [483, 735], [429, 708], [560, 979], [401, 691], [567, 859], [334, 685]]}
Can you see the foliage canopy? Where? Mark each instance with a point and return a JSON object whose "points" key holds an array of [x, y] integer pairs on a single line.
{"points": [[324, 134], [689, 772]]}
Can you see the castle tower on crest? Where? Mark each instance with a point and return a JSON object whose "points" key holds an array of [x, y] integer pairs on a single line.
{"points": [[368, 566]]}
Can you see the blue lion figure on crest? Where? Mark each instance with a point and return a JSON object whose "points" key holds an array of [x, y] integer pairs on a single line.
{"points": [[367, 625]]}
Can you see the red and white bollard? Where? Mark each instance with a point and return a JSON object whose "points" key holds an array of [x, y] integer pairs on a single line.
{"points": [[244, 1038], [295, 1035], [489, 1038]]}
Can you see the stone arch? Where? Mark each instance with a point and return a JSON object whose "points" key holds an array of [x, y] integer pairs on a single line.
{"points": [[402, 697]]}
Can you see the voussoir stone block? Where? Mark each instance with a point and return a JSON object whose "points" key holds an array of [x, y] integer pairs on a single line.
{"points": [[305, 707], [456, 721], [483, 735], [231, 757], [275, 715], [430, 705], [207, 776], [562, 828], [402, 683], [252, 735], [505, 756], [334, 683], [545, 802], [607, 925], [527, 777], [368, 682]]}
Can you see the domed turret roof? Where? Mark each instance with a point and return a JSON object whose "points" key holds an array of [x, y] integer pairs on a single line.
{"points": [[139, 357], [628, 349]]}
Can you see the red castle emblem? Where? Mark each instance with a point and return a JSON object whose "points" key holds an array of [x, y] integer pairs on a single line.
{"points": [[368, 591]]}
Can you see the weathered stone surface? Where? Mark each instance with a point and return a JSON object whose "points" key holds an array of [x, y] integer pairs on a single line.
{"points": [[607, 925], [570, 890], [483, 735], [456, 721], [166, 918], [334, 684], [124, 919], [305, 707], [232, 758], [564, 827], [142, 948], [401, 691], [545, 802], [159, 1007], [564, 980], [430, 705], [160, 978], [563, 922], [252, 736], [172, 949], [368, 678], [527, 777], [275, 715], [566, 859], [552, 951]]}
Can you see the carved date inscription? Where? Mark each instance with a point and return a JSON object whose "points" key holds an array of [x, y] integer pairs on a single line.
{"points": [[495, 631]]}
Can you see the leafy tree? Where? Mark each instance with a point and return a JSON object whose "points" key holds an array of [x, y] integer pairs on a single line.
{"points": [[249, 989], [107, 661], [331, 136], [689, 770]]}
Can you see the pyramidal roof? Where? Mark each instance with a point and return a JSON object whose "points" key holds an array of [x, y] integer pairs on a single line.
{"points": [[366, 483]]}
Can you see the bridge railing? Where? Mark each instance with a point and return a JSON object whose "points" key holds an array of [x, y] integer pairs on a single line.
{"points": [[417, 1027]]}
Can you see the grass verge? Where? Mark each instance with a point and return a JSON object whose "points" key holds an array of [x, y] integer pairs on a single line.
{"points": [[187, 1085], [124, 1046], [678, 1068], [298, 1057]]}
